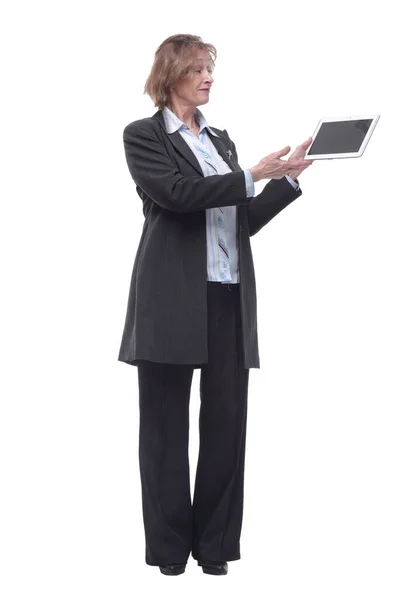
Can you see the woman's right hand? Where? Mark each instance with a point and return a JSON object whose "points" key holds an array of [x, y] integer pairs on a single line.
{"points": [[272, 167]]}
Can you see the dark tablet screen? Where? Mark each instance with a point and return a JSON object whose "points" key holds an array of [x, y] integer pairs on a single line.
{"points": [[339, 137]]}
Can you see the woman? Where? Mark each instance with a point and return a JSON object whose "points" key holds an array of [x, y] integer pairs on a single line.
{"points": [[192, 304]]}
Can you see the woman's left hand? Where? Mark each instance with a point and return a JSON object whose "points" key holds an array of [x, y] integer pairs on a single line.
{"points": [[299, 153]]}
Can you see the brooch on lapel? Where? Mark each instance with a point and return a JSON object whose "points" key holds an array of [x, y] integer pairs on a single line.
{"points": [[229, 153]]}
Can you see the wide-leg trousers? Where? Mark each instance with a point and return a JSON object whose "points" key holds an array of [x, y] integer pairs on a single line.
{"points": [[209, 527]]}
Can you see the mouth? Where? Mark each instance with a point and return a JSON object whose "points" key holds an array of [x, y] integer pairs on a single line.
{"points": [[204, 90]]}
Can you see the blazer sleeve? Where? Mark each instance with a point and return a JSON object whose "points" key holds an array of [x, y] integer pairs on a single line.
{"points": [[276, 195], [156, 173]]}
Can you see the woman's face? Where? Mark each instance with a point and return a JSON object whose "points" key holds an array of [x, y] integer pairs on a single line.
{"points": [[195, 89]]}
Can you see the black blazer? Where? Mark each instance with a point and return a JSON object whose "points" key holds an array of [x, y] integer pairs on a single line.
{"points": [[166, 317]]}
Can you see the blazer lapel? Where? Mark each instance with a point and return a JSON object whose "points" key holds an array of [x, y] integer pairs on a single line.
{"points": [[179, 144], [182, 147], [223, 152]]}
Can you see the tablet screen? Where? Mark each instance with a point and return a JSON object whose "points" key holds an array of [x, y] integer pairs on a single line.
{"points": [[338, 137]]}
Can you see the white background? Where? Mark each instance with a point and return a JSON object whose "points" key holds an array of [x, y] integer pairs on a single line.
{"points": [[322, 494]]}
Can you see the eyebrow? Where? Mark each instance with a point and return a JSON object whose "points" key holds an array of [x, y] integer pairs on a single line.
{"points": [[201, 61]]}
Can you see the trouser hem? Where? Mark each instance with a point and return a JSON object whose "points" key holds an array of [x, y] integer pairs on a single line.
{"points": [[213, 559], [167, 561]]}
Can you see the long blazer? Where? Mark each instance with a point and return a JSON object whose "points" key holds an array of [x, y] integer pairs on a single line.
{"points": [[166, 316]]}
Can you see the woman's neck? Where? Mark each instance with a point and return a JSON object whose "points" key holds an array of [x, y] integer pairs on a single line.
{"points": [[186, 114]]}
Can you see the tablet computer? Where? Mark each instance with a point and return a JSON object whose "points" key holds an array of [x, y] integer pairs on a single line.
{"points": [[341, 137]]}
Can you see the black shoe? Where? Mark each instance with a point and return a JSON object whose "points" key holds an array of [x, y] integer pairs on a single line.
{"points": [[213, 568], [173, 569]]}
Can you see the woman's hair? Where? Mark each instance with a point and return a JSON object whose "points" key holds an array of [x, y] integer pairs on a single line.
{"points": [[173, 60]]}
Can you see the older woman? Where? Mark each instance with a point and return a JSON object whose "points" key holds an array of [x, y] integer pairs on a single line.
{"points": [[192, 305]]}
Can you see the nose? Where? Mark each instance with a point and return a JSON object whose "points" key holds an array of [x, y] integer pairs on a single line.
{"points": [[208, 78]]}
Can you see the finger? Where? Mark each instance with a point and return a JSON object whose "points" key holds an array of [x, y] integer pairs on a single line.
{"points": [[307, 143], [304, 145], [282, 152]]}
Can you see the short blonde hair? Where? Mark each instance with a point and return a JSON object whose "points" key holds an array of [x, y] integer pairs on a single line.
{"points": [[173, 61]]}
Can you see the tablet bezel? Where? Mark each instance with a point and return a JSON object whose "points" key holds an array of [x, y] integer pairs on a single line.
{"points": [[375, 119]]}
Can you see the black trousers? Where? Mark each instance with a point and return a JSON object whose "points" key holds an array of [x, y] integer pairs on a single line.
{"points": [[210, 526]]}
